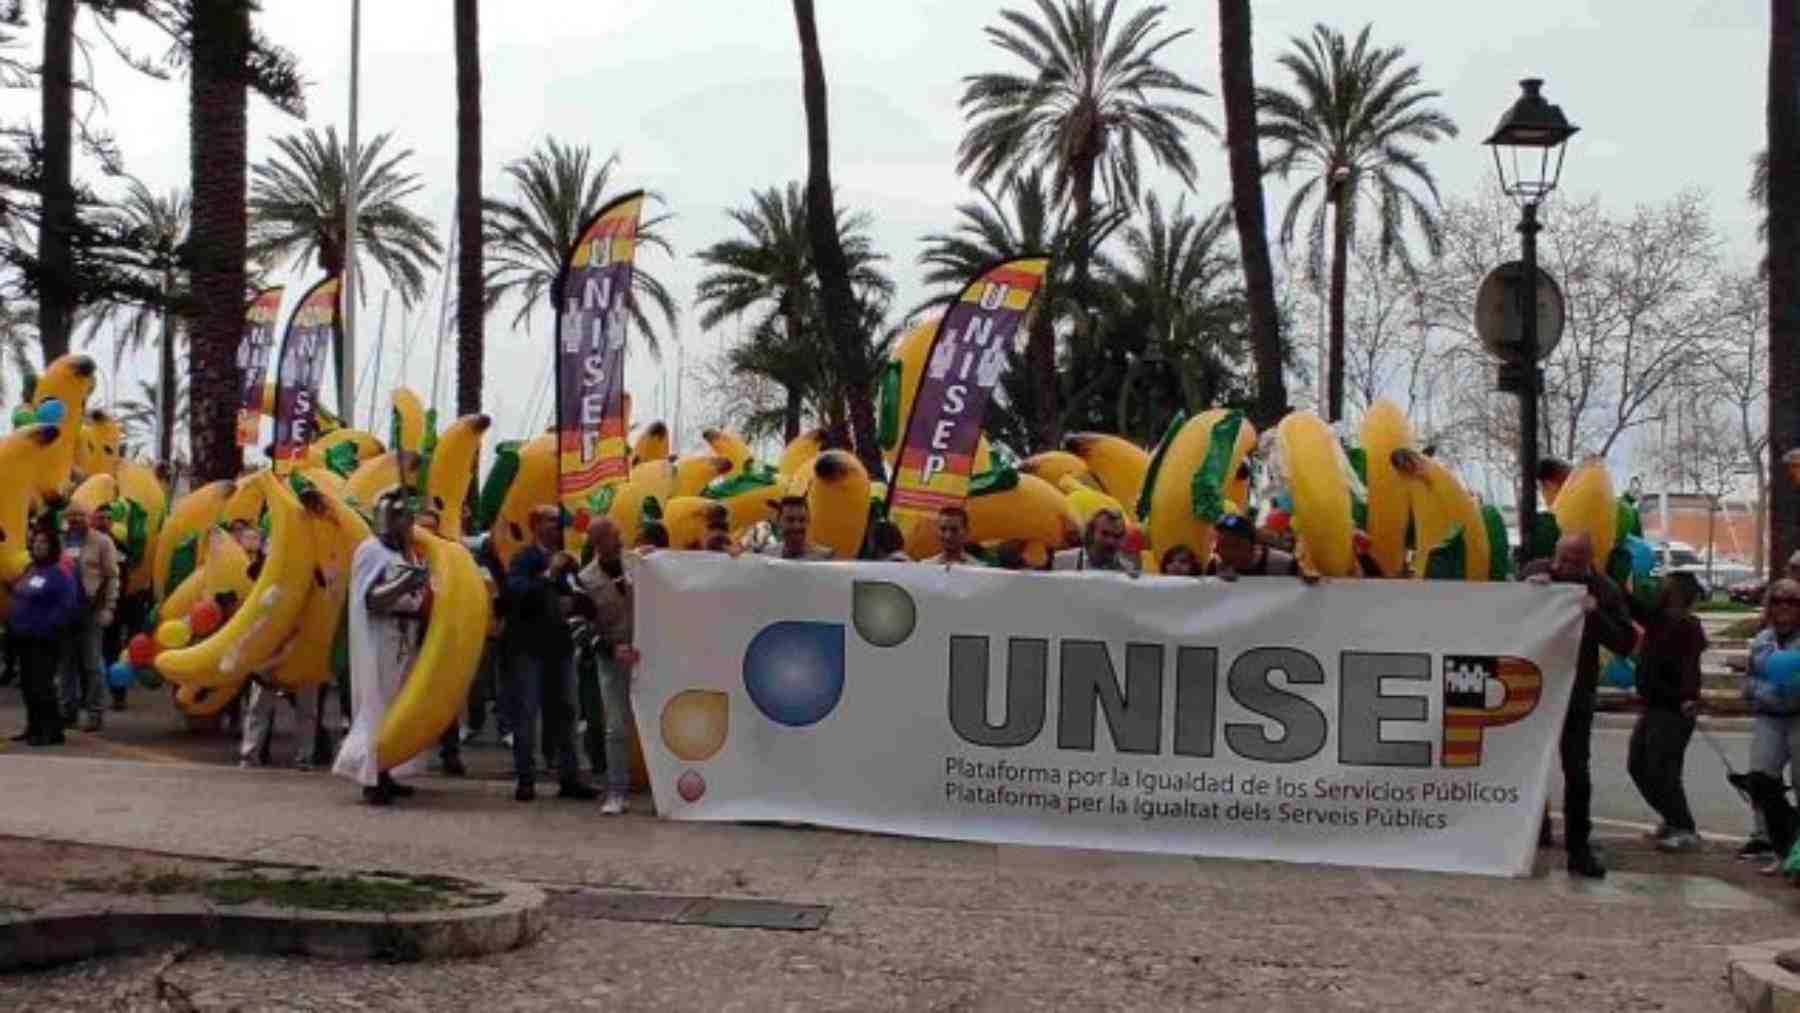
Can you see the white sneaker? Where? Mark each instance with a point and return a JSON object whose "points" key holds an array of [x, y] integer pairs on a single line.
{"points": [[1679, 841], [615, 805], [506, 741], [246, 764], [1771, 868]]}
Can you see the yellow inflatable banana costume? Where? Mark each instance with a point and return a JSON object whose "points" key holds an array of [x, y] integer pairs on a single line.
{"points": [[1385, 430], [438, 682], [1319, 477], [1195, 473]]}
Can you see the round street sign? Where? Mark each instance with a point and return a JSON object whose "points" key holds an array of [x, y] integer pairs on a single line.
{"points": [[1497, 320]]}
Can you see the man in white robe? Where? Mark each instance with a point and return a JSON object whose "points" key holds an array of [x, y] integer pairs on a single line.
{"points": [[388, 592]]}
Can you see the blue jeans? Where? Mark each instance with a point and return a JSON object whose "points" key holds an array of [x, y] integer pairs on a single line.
{"points": [[534, 685]]}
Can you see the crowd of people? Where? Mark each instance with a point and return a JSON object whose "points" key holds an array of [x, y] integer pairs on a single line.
{"points": [[559, 657]]}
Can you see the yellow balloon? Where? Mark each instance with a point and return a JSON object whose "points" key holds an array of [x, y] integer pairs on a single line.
{"points": [[695, 723], [174, 634], [118, 532]]}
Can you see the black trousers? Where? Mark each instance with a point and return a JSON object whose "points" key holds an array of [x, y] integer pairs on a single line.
{"points": [[39, 661], [1577, 750], [1659, 744]]}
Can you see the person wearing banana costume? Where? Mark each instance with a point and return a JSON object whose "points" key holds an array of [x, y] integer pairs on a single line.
{"points": [[389, 600]]}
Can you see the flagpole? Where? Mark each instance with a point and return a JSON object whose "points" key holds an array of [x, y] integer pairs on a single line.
{"points": [[437, 358], [347, 368], [380, 340]]}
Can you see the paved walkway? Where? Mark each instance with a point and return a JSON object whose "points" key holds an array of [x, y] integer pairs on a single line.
{"points": [[914, 924]]}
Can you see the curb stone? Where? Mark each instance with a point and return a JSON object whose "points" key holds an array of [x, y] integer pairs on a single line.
{"points": [[66, 933], [1759, 981]]}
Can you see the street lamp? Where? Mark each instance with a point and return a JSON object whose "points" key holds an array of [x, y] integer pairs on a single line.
{"points": [[1529, 141]]}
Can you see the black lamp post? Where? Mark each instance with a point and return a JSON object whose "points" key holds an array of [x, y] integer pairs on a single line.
{"points": [[1532, 135]]}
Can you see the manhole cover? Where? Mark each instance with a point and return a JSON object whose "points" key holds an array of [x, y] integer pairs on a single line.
{"points": [[714, 912], [755, 914]]}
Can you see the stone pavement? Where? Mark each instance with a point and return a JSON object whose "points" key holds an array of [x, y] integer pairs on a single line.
{"points": [[914, 924]]}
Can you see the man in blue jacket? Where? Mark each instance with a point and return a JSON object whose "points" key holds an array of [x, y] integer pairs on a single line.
{"points": [[542, 676]]}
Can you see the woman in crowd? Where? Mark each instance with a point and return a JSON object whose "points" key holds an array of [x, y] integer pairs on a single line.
{"points": [[45, 605]]}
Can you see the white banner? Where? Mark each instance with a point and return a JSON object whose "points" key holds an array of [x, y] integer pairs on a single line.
{"points": [[1384, 723]]}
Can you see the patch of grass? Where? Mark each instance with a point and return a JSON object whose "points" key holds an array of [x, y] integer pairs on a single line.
{"points": [[384, 894], [1742, 629], [1725, 606]]}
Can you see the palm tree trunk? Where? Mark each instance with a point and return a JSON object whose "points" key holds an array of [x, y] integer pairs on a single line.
{"points": [[1042, 336], [1238, 89], [165, 377], [790, 415], [1340, 274], [469, 295], [218, 141], [843, 318], [1784, 274], [56, 256]]}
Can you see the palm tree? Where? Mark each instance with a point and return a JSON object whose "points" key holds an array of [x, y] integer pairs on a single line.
{"points": [[297, 210], [559, 189], [159, 224], [1237, 89], [771, 271], [845, 319], [1179, 309], [139, 417], [1347, 126], [56, 225], [470, 317], [1021, 220], [220, 47], [1091, 97]]}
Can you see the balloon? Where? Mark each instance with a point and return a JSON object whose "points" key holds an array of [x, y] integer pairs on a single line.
{"points": [[690, 786], [205, 617], [141, 651], [52, 411], [1643, 557], [582, 520], [119, 533], [1782, 669], [120, 675], [23, 416], [174, 634], [149, 678], [794, 671], [1278, 520], [695, 722], [1620, 673]]}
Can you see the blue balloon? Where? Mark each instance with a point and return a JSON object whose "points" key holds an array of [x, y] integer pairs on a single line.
{"points": [[52, 411], [120, 675], [794, 671], [1643, 557], [1621, 673], [1782, 670]]}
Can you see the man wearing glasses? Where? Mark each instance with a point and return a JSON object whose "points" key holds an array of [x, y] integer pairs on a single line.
{"points": [[1774, 703]]}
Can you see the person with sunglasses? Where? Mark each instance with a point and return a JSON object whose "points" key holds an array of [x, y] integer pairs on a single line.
{"points": [[1774, 705]]}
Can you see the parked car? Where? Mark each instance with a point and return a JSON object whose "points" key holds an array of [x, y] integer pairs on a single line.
{"points": [[1749, 592]]}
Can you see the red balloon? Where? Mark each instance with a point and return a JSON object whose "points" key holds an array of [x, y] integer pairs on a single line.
{"points": [[205, 617], [141, 650], [1278, 520], [582, 519], [1134, 540]]}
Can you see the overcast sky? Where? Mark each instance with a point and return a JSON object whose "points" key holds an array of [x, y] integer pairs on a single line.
{"points": [[701, 99]]}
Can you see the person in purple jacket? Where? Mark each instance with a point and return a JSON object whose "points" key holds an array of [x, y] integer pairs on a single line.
{"points": [[45, 605]]}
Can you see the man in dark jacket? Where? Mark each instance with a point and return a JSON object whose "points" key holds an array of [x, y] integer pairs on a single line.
{"points": [[1608, 625], [1668, 680], [538, 596]]}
